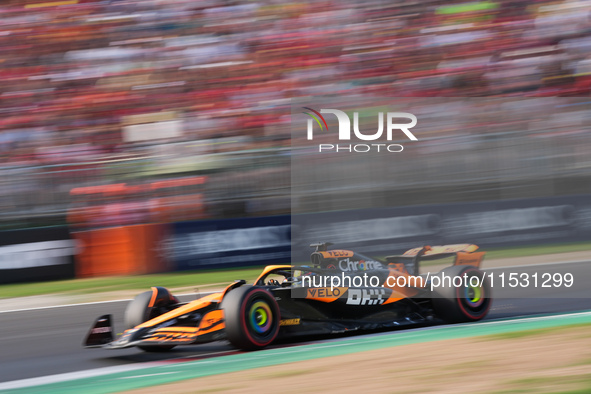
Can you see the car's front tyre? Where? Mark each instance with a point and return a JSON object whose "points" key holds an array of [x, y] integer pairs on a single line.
{"points": [[146, 306], [251, 317]]}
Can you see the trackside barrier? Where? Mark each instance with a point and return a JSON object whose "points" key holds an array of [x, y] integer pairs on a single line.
{"points": [[46, 254], [150, 248], [124, 250], [229, 242], [36, 254], [503, 223]]}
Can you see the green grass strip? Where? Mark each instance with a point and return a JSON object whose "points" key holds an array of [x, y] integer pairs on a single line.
{"points": [[176, 279]]}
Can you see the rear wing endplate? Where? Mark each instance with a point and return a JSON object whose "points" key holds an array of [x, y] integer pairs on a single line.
{"points": [[465, 254]]}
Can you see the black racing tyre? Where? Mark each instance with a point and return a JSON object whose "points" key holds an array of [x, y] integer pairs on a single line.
{"points": [[146, 306], [465, 303], [252, 317]]}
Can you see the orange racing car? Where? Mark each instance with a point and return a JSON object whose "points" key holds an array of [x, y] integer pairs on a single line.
{"points": [[288, 300]]}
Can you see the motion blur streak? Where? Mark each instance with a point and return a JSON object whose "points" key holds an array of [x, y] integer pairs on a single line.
{"points": [[129, 92]]}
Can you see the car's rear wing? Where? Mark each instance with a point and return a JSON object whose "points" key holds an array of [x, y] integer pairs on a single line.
{"points": [[465, 254]]}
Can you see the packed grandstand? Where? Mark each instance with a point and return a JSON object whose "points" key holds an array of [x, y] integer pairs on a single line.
{"points": [[136, 92]]}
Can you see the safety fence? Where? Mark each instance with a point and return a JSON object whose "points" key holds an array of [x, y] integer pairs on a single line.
{"points": [[57, 253]]}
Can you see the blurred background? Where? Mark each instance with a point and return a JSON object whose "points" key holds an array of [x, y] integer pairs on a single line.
{"points": [[468, 150], [166, 136], [152, 111]]}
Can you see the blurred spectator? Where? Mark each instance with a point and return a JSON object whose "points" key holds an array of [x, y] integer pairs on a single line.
{"points": [[97, 81]]}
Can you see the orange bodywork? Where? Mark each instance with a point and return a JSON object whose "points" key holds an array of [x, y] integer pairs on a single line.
{"points": [[154, 294], [400, 292], [174, 334], [190, 307], [336, 253], [432, 250], [211, 321], [400, 283], [270, 268], [473, 259], [325, 294]]}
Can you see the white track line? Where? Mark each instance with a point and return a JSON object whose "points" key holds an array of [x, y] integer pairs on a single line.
{"points": [[80, 304], [63, 377], [203, 294], [59, 306], [151, 374], [88, 373]]}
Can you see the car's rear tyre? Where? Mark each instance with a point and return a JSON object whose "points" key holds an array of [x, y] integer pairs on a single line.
{"points": [[465, 303], [146, 306], [252, 317]]}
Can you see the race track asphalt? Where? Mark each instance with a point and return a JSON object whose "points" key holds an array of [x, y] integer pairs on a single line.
{"points": [[43, 342]]}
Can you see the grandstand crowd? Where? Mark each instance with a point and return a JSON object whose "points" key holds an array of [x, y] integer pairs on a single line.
{"points": [[80, 77]]}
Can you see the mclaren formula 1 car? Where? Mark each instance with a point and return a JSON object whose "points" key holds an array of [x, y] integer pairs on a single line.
{"points": [[287, 301]]}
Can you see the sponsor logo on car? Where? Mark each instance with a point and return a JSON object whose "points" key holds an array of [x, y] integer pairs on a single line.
{"points": [[289, 322], [100, 330], [361, 265], [325, 292], [366, 296]]}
